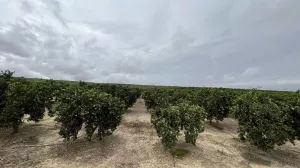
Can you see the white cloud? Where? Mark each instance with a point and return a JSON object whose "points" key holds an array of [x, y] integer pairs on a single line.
{"points": [[154, 42]]}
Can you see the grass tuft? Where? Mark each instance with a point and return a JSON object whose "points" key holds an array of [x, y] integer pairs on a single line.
{"points": [[179, 152]]}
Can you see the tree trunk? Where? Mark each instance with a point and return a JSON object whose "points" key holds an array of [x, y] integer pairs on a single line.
{"points": [[210, 122], [15, 128], [89, 138]]}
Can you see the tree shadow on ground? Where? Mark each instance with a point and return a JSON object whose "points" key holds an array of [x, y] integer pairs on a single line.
{"points": [[286, 156], [283, 157], [215, 125], [28, 134], [88, 151], [255, 158]]}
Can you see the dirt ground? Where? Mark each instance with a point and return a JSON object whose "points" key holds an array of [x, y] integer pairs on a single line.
{"points": [[135, 144]]}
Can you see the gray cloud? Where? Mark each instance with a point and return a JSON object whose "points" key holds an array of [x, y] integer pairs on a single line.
{"points": [[129, 65], [200, 43]]}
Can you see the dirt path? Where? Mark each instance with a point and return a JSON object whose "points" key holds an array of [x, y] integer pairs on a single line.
{"points": [[135, 144]]}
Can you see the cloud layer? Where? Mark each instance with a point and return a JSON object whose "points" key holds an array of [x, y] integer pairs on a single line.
{"points": [[219, 43]]}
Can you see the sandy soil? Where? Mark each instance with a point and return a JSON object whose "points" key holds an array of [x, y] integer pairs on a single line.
{"points": [[135, 144]]}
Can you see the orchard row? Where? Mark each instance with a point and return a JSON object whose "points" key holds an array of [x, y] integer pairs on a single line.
{"points": [[99, 107], [265, 118]]}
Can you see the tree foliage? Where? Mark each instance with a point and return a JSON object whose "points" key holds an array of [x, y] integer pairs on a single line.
{"points": [[127, 94], [5, 78], [168, 121], [261, 121], [78, 106], [157, 98], [68, 112], [291, 111], [217, 104], [193, 117], [22, 97]]}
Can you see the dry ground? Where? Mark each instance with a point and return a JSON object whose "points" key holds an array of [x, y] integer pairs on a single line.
{"points": [[135, 144]]}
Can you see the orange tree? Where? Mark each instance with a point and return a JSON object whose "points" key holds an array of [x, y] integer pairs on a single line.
{"points": [[217, 104], [68, 111], [156, 97], [168, 120], [104, 113], [22, 97], [5, 78], [296, 115], [128, 94], [261, 121], [291, 107], [79, 105], [289, 103]]}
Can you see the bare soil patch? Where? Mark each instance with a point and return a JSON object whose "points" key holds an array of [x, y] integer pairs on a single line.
{"points": [[135, 144]]}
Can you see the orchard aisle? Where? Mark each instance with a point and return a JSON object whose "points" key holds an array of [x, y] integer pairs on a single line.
{"points": [[134, 144], [140, 145]]}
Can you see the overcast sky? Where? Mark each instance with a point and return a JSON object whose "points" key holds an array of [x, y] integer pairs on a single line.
{"points": [[221, 43]]}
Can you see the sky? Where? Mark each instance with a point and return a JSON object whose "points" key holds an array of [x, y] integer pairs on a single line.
{"points": [[216, 43]]}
